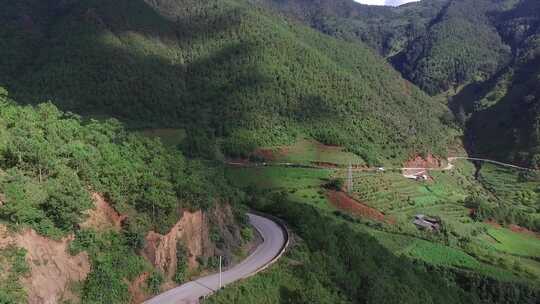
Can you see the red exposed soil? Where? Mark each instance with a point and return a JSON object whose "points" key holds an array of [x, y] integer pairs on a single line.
{"points": [[513, 228], [52, 268], [266, 154], [191, 230], [523, 230], [344, 202], [419, 162], [325, 164], [137, 288], [493, 223], [103, 216]]}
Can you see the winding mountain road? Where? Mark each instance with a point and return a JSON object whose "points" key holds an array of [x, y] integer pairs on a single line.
{"points": [[274, 241]]}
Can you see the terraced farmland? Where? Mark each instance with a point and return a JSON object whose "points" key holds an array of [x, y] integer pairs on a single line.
{"points": [[463, 243], [390, 192]]}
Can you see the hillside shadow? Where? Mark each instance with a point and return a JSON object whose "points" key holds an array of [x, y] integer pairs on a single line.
{"points": [[463, 103], [502, 129], [124, 59]]}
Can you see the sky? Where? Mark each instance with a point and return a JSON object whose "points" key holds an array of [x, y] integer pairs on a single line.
{"points": [[385, 2]]}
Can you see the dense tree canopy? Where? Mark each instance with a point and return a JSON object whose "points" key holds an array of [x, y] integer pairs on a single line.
{"points": [[50, 162], [225, 69], [484, 49], [437, 44]]}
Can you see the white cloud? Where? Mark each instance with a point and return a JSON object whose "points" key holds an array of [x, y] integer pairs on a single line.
{"points": [[385, 2]]}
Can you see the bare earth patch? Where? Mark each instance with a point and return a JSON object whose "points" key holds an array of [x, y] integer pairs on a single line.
{"points": [[266, 154], [493, 223], [52, 268], [103, 216], [137, 288], [344, 202], [523, 230], [415, 164], [191, 230]]}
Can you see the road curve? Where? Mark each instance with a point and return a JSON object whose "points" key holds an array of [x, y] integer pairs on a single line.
{"points": [[274, 240]]}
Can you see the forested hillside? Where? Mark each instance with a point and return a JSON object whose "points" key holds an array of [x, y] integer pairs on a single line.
{"points": [[49, 159], [483, 49], [388, 30], [52, 162], [437, 44], [505, 110], [85, 185], [221, 69]]}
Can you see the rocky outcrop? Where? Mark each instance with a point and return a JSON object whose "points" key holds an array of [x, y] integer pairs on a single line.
{"points": [[193, 231]]}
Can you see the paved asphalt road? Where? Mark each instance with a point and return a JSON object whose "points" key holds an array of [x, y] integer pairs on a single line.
{"points": [[189, 293]]}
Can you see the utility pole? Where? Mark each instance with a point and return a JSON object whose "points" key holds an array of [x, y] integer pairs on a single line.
{"points": [[220, 275], [349, 179]]}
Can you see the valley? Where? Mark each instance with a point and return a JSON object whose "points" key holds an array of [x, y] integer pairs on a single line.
{"points": [[384, 204], [290, 151]]}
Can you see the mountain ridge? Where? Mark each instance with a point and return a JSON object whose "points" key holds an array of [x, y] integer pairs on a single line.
{"points": [[225, 70]]}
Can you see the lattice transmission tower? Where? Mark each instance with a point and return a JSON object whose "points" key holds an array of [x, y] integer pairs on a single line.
{"points": [[349, 184]]}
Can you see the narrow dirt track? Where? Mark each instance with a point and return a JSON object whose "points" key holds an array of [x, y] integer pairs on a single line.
{"points": [[448, 167]]}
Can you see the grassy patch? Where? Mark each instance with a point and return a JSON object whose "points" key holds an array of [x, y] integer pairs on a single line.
{"points": [[515, 243], [307, 151], [301, 185], [13, 267]]}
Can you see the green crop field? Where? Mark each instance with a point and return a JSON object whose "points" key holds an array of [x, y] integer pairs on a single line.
{"points": [[308, 151], [464, 244], [516, 188], [303, 185], [390, 192], [515, 243]]}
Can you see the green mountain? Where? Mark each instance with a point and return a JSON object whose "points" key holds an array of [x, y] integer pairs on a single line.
{"points": [[51, 165], [236, 75], [489, 46], [229, 70], [505, 110], [437, 44]]}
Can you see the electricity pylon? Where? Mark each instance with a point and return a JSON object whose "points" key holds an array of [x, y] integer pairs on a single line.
{"points": [[349, 179]]}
